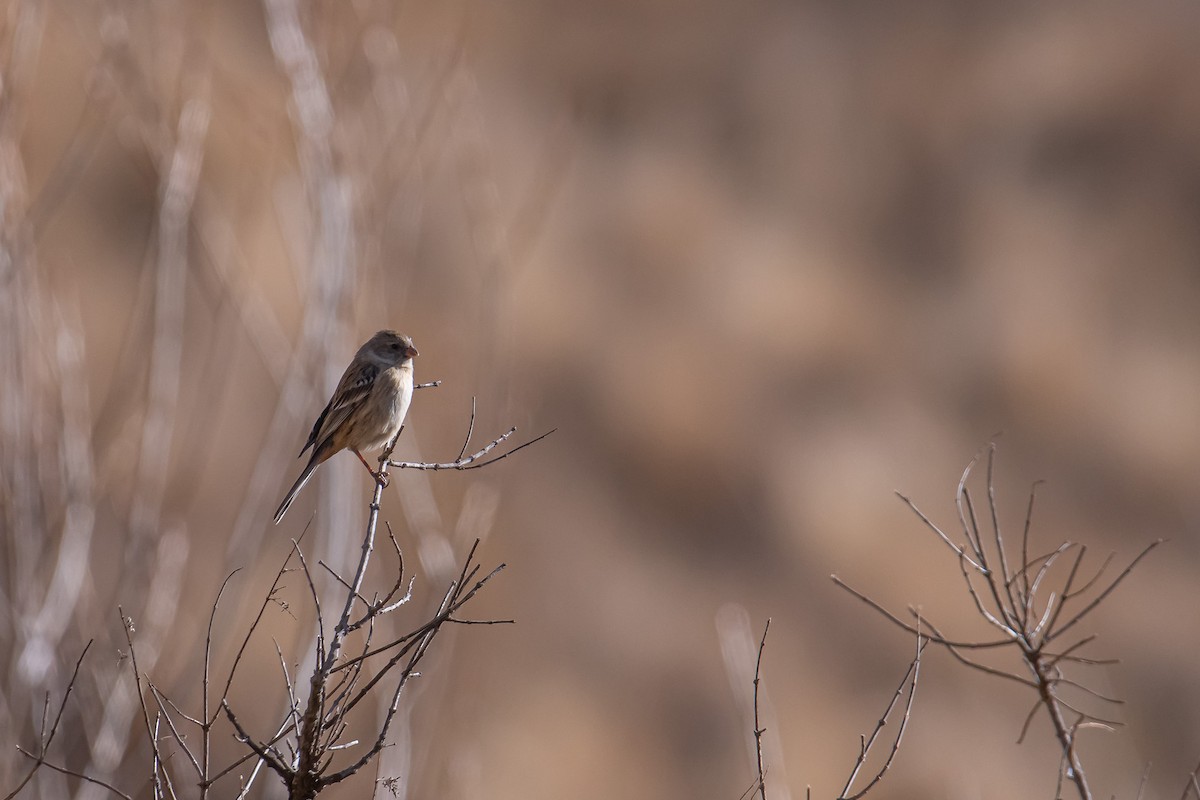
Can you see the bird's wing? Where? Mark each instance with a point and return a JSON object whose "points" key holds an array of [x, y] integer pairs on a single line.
{"points": [[352, 390]]}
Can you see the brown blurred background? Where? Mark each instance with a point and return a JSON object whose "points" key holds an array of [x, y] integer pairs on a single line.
{"points": [[761, 264]]}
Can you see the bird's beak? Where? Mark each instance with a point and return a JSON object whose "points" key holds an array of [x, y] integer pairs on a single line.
{"points": [[411, 351]]}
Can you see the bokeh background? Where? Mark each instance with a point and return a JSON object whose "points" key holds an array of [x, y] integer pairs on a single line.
{"points": [[761, 264]]}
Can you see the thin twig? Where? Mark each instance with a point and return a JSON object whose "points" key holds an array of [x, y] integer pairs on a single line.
{"points": [[343, 582], [983, 612], [209, 719], [1098, 695], [953, 650], [966, 515], [941, 535], [50, 765], [1086, 717], [284, 730], [161, 702], [455, 598], [44, 741], [293, 704], [1011, 603], [312, 591], [1191, 783], [437, 620], [1010, 620], [758, 729], [902, 624], [991, 490], [1066, 591], [1082, 589], [1023, 590], [452, 602], [273, 759], [469, 461], [270, 595], [1100, 597], [1068, 655], [910, 679], [1037, 704], [127, 627], [1142, 783], [470, 430]]}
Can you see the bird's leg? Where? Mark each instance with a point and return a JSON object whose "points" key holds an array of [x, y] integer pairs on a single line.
{"points": [[380, 477]]}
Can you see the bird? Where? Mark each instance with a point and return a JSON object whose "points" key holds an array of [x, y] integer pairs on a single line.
{"points": [[366, 410]]}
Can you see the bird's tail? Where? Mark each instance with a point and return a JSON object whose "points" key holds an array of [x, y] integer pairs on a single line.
{"points": [[296, 487]]}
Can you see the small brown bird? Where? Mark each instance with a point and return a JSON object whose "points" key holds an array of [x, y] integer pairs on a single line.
{"points": [[366, 409]]}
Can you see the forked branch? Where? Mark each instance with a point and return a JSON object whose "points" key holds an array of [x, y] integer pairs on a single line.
{"points": [[472, 461], [1025, 608], [909, 682]]}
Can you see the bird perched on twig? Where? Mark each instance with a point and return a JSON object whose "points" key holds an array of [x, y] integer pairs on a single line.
{"points": [[366, 410]]}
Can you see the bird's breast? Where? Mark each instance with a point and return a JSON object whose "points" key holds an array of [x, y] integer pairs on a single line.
{"points": [[400, 389]]}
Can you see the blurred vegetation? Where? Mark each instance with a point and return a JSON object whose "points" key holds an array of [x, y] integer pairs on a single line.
{"points": [[761, 263]]}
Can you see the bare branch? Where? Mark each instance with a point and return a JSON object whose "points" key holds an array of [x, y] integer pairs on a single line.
{"points": [[469, 461], [344, 583], [983, 612], [1047, 561], [457, 595], [910, 679], [470, 430], [1067, 655], [758, 729], [161, 701], [1100, 597], [270, 595], [902, 624], [265, 752], [442, 616], [1066, 592], [293, 704], [1142, 783], [1010, 618], [42, 762], [941, 535], [1003, 556], [1023, 591], [1037, 704], [283, 730], [1086, 717], [1191, 784], [1085, 689], [44, 741], [1103, 568], [1012, 604], [954, 651], [966, 515], [127, 627]]}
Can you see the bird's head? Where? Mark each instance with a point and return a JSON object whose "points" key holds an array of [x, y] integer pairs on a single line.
{"points": [[389, 348]]}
